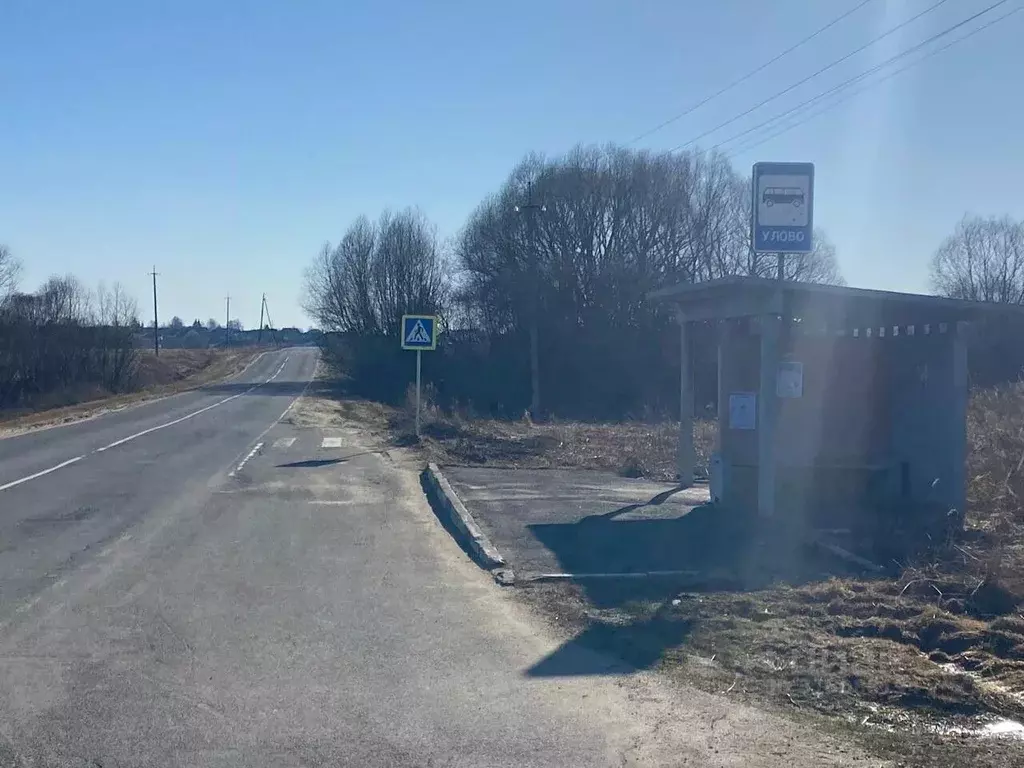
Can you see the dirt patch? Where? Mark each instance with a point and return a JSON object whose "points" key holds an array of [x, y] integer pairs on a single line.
{"points": [[175, 370], [789, 650]]}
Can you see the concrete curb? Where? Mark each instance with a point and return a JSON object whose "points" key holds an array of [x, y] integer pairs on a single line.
{"points": [[449, 506]]}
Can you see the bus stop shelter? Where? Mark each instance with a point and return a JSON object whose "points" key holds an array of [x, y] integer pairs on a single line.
{"points": [[828, 395]]}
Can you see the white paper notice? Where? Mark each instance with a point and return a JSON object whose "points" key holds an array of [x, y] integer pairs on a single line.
{"points": [[742, 410], [790, 380]]}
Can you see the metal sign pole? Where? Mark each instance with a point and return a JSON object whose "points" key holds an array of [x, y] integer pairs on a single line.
{"points": [[419, 357]]}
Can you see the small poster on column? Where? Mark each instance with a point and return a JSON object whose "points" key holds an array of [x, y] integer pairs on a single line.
{"points": [[790, 380], [742, 410]]}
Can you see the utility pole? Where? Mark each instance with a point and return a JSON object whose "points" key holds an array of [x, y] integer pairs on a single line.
{"points": [[270, 321], [156, 323], [532, 209], [227, 320], [263, 303]]}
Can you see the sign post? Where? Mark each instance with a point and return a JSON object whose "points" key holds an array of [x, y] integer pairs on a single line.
{"points": [[782, 211], [782, 221], [419, 332]]}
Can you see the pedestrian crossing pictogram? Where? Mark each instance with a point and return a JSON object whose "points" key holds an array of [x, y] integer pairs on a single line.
{"points": [[419, 332]]}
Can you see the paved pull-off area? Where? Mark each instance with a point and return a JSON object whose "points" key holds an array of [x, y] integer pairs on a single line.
{"points": [[221, 579]]}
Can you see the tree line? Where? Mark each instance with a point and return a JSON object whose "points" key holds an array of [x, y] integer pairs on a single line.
{"points": [[983, 260], [63, 339], [543, 292]]}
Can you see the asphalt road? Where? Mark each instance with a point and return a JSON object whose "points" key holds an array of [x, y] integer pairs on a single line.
{"points": [[230, 578]]}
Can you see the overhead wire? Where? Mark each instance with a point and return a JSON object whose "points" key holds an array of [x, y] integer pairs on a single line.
{"points": [[748, 75], [745, 147], [819, 72], [802, 106]]}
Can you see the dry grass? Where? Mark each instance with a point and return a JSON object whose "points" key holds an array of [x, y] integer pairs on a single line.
{"points": [[631, 449]]}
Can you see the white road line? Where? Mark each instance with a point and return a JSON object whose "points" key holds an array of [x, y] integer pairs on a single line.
{"points": [[253, 452], [283, 443], [330, 502], [102, 411], [124, 440], [37, 475], [332, 442], [158, 427], [278, 371]]}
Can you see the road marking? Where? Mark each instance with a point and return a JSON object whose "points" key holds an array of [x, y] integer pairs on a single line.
{"points": [[253, 452], [37, 475], [186, 417], [102, 411], [278, 371], [284, 442], [158, 427], [331, 442], [331, 502]]}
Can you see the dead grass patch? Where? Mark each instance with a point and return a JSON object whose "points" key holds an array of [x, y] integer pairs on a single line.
{"points": [[631, 449]]}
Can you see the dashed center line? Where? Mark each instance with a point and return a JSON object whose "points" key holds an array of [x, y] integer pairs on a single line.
{"points": [[157, 428], [284, 442], [21, 480], [253, 452], [331, 442]]}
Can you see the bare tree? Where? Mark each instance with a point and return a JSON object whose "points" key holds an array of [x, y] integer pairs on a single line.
{"points": [[615, 224], [983, 260], [212, 324], [63, 339], [176, 323], [10, 271], [818, 266], [116, 307], [377, 273]]}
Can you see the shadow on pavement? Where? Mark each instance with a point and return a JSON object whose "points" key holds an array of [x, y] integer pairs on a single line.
{"points": [[312, 463], [657, 501], [613, 649], [705, 550]]}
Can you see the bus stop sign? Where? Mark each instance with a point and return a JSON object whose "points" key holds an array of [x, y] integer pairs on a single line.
{"points": [[783, 207]]}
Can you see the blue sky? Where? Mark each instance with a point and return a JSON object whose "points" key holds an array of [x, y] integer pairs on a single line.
{"points": [[226, 141]]}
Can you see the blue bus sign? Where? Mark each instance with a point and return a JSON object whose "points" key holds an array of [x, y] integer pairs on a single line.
{"points": [[783, 207]]}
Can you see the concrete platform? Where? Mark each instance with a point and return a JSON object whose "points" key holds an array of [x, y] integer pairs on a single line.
{"points": [[582, 521]]}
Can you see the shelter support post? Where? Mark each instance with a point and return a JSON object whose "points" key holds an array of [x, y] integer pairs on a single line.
{"points": [[768, 416], [686, 456], [958, 420]]}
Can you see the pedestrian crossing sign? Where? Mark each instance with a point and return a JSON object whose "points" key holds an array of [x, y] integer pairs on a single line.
{"points": [[419, 332]]}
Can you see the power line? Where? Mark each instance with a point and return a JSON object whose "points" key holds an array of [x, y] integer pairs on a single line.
{"points": [[853, 80], [846, 97], [749, 74], [824, 69], [867, 73]]}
